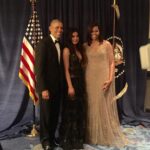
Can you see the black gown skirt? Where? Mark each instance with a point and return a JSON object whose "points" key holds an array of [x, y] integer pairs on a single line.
{"points": [[73, 113]]}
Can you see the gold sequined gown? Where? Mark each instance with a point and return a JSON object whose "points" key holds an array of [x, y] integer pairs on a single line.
{"points": [[103, 126]]}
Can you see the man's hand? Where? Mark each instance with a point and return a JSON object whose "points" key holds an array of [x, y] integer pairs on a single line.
{"points": [[45, 95]]}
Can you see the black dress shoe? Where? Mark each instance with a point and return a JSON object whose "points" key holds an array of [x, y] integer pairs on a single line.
{"points": [[56, 142], [0, 147]]}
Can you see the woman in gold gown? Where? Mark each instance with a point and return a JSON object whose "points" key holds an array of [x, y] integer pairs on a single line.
{"points": [[103, 127]]}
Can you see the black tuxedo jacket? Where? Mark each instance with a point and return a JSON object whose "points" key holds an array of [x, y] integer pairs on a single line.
{"points": [[48, 70]]}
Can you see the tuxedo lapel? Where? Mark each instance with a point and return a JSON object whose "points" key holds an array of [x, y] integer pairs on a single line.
{"points": [[53, 48]]}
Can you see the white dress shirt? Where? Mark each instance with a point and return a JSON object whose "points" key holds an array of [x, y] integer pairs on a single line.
{"points": [[57, 46]]}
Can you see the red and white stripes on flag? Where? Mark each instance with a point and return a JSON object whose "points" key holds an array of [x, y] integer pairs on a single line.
{"points": [[27, 60]]}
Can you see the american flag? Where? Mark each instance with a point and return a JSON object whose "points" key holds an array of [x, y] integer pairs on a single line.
{"points": [[27, 60]]}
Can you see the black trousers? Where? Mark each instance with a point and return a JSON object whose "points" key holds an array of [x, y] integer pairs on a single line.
{"points": [[49, 113]]}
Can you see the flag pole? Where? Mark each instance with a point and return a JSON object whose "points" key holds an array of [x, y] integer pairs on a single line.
{"points": [[114, 24], [34, 131], [149, 36], [117, 45]]}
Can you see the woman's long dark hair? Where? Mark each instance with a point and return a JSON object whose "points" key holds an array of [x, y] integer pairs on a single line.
{"points": [[71, 46], [90, 28]]}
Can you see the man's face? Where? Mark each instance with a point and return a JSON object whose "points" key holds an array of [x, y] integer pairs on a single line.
{"points": [[56, 29]]}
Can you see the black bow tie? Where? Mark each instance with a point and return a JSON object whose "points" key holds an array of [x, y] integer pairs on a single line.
{"points": [[56, 41]]}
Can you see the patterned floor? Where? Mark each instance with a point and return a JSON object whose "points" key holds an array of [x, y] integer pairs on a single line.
{"points": [[139, 135]]}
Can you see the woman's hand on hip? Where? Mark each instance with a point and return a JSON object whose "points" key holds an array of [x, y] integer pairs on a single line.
{"points": [[106, 85]]}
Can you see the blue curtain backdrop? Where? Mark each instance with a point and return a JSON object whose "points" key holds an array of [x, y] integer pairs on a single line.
{"points": [[132, 27]]}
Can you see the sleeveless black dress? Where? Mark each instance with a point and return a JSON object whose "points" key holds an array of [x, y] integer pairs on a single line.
{"points": [[73, 114]]}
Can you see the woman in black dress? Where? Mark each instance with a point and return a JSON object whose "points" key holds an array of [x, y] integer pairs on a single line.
{"points": [[72, 127]]}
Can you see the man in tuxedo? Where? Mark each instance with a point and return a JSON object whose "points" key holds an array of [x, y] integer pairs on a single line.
{"points": [[49, 77]]}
